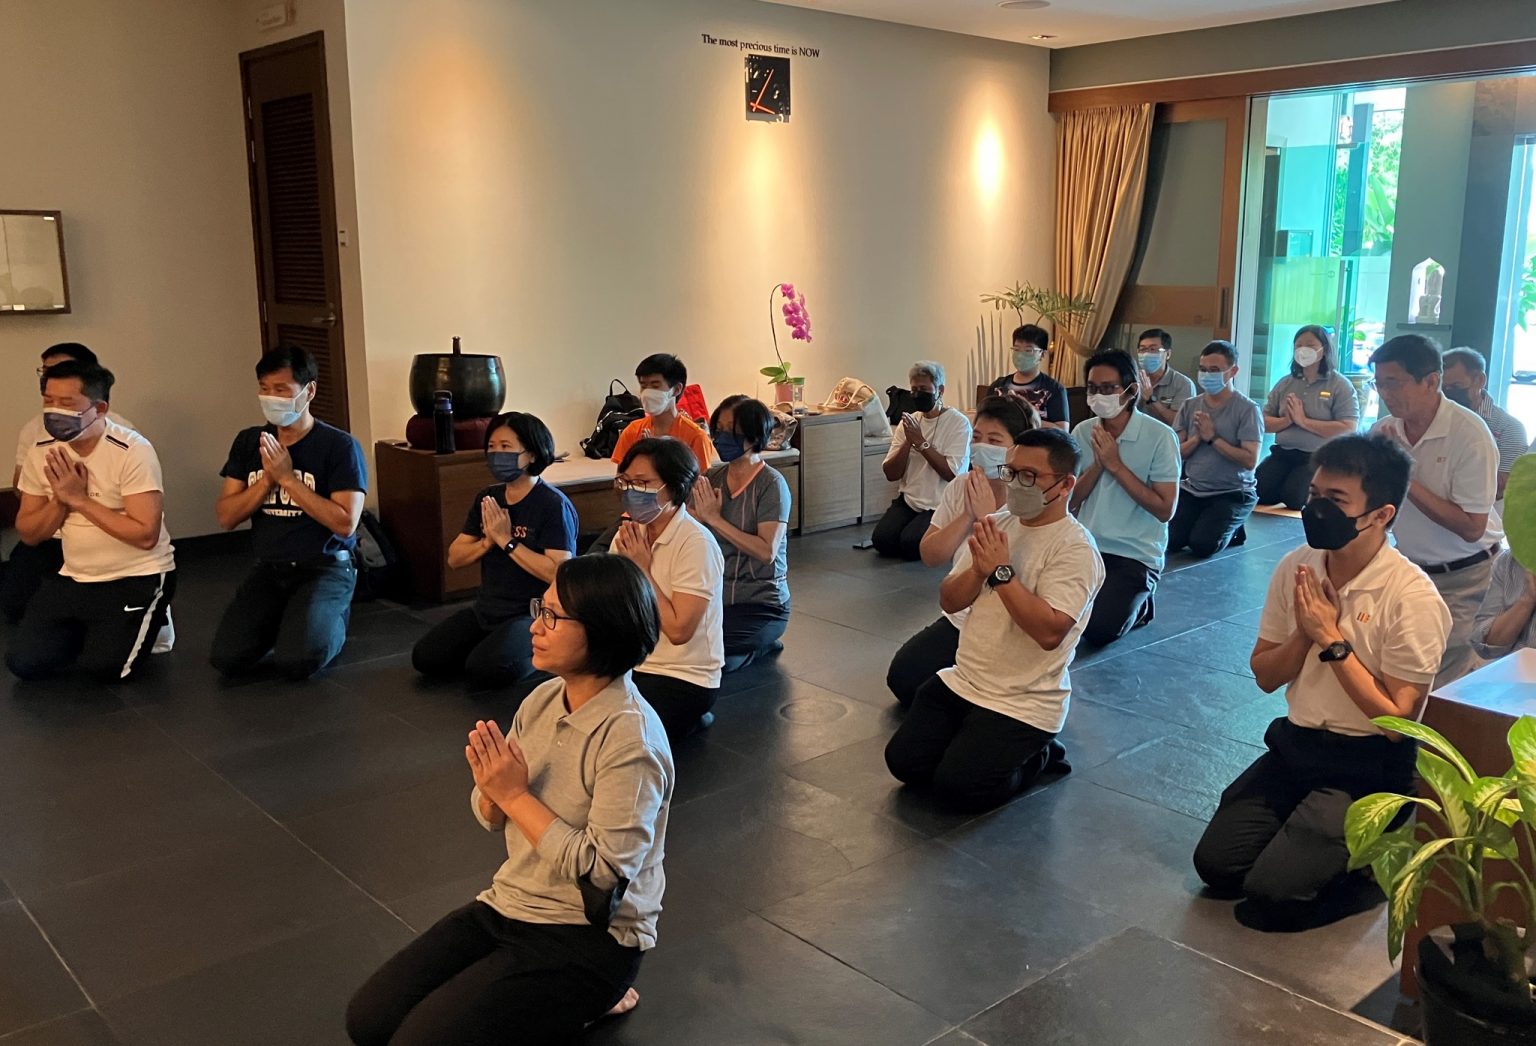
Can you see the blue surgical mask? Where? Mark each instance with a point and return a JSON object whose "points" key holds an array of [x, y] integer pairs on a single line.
{"points": [[1212, 383], [986, 458], [66, 425], [1151, 362], [282, 411], [642, 506], [728, 445], [504, 464]]}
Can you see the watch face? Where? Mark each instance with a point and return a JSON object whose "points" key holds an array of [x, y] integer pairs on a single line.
{"points": [[767, 87]]}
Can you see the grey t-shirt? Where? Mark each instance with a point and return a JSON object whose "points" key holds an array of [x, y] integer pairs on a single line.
{"points": [[1171, 390], [765, 500], [1330, 398], [1207, 470]]}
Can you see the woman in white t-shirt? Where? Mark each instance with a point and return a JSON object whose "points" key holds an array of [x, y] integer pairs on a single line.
{"points": [[930, 447], [681, 678], [981, 492]]}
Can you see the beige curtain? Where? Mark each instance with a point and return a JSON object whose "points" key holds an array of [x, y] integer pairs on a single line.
{"points": [[1101, 176]]}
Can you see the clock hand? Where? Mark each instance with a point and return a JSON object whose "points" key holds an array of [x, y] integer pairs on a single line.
{"points": [[765, 88]]}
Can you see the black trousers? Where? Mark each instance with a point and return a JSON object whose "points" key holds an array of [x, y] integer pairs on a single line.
{"points": [[920, 658], [298, 613], [972, 758], [477, 978], [106, 628], [751, 631], [24, 573], [1278, 833], [1284, 477], [1205, 523], [1124, 602], [900, 531], [679, 703], [500, 655]]}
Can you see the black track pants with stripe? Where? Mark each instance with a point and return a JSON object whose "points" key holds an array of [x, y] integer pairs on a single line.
{"points": [[106, 628]]}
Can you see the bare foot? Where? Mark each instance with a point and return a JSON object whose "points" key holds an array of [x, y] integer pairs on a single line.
{"points": [[630, 1001]]}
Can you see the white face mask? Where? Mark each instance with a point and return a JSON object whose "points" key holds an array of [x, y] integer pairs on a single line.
{"points": [[282, 411], [1106, 405], [655, 401], [986, 458], [1306, 355]]}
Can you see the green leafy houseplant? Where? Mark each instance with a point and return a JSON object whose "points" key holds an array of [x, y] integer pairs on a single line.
{"points": [[1481, 821], [1046, 304]]}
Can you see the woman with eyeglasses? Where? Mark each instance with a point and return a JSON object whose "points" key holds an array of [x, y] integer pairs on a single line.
{"points": [[746, 504], [980, 493], [519, 529], [681, 678], [579, 787]]}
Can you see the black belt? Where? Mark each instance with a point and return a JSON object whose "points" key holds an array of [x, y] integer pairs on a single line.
{"points": [[1460, 564], [330, 559]]}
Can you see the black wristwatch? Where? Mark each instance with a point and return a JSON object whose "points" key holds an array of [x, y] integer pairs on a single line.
{"points": [[1001, 576], [509, 546], [1335, 651]]}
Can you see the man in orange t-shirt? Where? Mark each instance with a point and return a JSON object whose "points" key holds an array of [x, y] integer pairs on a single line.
{"points": [[662, 378]]}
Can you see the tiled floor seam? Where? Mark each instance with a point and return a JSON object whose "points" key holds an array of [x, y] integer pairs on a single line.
{"points": [[17, 1033]]}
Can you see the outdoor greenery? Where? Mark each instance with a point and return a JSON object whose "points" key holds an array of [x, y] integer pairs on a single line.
{"points": [[1380, 197]]}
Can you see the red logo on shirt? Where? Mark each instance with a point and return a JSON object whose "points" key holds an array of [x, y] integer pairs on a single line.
{"points": [[1362, 617]]}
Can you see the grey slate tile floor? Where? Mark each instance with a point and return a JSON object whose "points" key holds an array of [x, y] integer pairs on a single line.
{"points": [[183, 861]]}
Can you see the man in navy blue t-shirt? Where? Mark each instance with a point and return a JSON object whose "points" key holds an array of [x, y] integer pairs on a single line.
{"points": [[301, 484]]}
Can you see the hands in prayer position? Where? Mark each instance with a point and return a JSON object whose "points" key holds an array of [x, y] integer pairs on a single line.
{"points": [[1205, 426], [495, 523], [989, 547], [979, 501], [704, 503], [634, 544], [68, 477], [497, 764], [912, 429], [276, 462], [1317, 608], [1106, 449]]}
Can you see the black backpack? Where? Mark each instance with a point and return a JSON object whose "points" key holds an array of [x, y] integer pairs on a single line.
{"points": [[900, 402], [378, 565], [617, 411]]}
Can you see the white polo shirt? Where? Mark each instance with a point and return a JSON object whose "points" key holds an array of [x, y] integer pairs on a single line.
{"points": [[121, 464], [950, 435], [1390, 613], [686, 558], [998, 665], [1455, 459]]}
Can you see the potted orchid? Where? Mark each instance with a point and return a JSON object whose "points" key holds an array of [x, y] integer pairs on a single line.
{"points": [[787, 389]]}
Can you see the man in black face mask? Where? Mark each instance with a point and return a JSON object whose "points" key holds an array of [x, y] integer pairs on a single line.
{"points": [[1466, 382], [1352, 630]]}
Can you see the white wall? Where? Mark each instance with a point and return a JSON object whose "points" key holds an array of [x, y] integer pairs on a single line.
{"points": [[126, 117], [573, 185]]}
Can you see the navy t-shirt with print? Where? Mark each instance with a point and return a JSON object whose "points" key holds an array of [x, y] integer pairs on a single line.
{"points": [[327, 461], [546, 519]]}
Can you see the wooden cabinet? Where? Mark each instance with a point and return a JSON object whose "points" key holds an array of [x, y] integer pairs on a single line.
{"points": [[424, 499], [831, 479]]}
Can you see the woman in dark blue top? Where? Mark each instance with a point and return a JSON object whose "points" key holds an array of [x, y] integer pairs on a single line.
{"points": [[519, 530]]}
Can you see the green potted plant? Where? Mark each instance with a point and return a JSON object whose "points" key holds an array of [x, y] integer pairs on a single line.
{"points": [[1024, 298], [1476, 989], [787, 388]]}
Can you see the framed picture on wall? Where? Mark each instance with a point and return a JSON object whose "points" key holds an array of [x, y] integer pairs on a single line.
{"points": [[33, 278]]}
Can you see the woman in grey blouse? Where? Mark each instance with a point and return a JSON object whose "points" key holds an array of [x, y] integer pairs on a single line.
{"points": [[745, 504], [580, 788], [1306, 408]]}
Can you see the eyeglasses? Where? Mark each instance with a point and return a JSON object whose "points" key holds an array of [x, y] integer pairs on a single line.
{"points": [[539, 612], [1022, 477], [645, 487], [1104, 390]]}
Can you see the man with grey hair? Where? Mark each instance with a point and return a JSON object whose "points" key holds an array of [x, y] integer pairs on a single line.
{"points": [[1466, 383], [930, 447]]}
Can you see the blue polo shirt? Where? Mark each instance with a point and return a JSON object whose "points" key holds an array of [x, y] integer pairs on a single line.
{"points": [[1119, 526]]}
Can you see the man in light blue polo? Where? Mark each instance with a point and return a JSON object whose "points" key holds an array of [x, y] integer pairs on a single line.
{"points": [[1125, 496]]}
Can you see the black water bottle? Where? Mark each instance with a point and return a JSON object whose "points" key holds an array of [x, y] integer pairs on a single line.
{"points": [[442, 421]]}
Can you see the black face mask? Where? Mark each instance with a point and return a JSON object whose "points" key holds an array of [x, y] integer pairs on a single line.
{"points": [[1327, 527], [923, 402], [1457, 394]]}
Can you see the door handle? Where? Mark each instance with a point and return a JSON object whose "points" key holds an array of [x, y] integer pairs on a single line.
{"points": [[328, 320], [1226, 308]]}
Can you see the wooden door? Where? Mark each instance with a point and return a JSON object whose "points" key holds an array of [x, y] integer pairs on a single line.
{"points": [[1186, 260], [293, 209]]}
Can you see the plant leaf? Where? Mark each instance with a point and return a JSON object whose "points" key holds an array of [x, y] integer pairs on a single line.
{"points": [[1522, 747], [1399, 840], [1452, 790], [1367, 818], [1403, 910], [1499, 841], [1431, 737]]}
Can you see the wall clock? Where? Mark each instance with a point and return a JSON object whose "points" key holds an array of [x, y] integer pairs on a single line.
{"points": [[767, 87]]}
